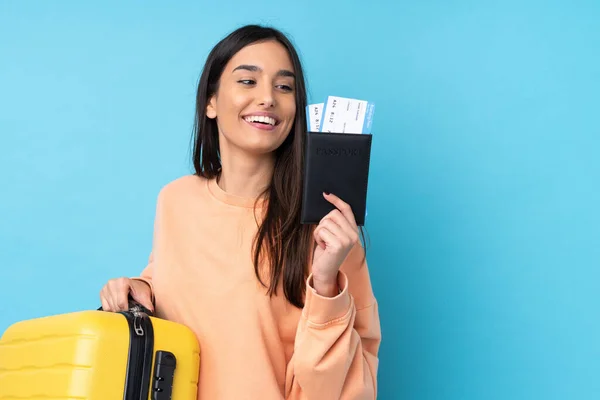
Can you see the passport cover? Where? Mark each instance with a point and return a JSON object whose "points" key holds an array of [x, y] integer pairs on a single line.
{"points": [[336, 163]]}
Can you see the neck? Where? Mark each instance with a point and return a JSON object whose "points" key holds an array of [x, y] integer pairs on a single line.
{"points": [[245, 175]]}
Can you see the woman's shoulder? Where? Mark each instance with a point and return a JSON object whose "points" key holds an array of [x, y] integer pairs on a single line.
{"points": [[183, 187], [185, 182]]}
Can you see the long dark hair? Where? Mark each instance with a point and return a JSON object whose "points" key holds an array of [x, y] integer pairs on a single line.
{"points": [[281, 239]]}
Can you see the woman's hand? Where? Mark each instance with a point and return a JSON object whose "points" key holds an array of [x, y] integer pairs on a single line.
{"points": [[115, 294], [336, 235]]}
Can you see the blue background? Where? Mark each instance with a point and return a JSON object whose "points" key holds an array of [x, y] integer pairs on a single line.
{"points": [[484, 196]]}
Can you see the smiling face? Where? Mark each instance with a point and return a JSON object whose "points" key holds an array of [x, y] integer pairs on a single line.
{"points": [[255, 104]]}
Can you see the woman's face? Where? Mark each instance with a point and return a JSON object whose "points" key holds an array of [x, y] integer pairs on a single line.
{"points": [[255, 103]]}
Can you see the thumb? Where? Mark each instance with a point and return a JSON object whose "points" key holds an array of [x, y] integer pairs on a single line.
{"points": [[141, 292]]}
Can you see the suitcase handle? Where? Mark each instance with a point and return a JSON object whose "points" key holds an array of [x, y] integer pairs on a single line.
{"points": [[135, 306]]}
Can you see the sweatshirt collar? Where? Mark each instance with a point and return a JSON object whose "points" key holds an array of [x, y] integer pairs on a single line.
{"points": [[217, 192]]}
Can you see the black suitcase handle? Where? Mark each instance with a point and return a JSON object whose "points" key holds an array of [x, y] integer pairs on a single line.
{"points": [[134, 306]]}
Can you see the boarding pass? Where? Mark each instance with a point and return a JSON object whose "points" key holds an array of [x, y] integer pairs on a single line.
{"points": [[341, 115]]}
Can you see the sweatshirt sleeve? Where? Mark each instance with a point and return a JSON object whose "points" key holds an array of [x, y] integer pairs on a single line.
{"points": [[337, 340], [146, 275]]}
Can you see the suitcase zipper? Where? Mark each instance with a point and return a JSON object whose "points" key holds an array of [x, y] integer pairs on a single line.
{"points": [[141, 348], [137, 325]]}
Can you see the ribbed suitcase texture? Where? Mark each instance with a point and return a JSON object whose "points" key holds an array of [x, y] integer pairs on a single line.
{"points": [[97, 355]]}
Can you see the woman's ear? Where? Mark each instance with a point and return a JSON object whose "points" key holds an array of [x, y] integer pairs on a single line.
{"points": [[211, 108]]}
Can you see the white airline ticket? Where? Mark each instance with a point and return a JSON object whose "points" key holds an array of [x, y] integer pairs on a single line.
{"points": [[313, 115], [345, 115]]}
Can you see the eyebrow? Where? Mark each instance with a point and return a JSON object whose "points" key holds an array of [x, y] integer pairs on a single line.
{"points": [[254, 68]]}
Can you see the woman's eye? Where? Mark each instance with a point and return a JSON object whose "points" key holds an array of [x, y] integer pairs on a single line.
{"points": [[285, 88], [247, 82]]}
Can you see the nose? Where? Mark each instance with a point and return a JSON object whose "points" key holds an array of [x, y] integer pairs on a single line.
{"points": [[266, 98]]}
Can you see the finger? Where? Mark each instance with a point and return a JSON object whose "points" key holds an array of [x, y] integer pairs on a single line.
{"points": [[334, 228], [141, 296], [342, 222], [105, 305], [331, 241], [109, 295], [122, 299], [111, 303], [347, 236], [318, 239], [146, 301], [105, 298], [343, 207], [117, 297]]}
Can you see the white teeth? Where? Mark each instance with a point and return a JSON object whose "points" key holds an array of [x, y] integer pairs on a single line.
{"points": [[260, 118]]}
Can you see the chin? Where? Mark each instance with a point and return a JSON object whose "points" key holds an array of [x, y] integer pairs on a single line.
{"points": [[262, 144], [260, 148]]}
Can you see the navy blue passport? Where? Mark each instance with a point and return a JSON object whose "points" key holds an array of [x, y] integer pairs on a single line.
{"points": [[336, 163]]}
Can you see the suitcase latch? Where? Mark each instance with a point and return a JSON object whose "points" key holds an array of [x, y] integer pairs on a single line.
{"points": [[164, 373]]}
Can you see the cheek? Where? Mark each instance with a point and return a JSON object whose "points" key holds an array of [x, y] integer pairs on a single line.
{"points": [[231, 105], [289, 108]]}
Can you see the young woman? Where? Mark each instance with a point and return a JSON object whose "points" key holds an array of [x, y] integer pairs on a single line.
{"points": [[281, 310]]}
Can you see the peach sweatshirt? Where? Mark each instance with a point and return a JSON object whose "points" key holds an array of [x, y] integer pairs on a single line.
{"points": [[253, 346]]}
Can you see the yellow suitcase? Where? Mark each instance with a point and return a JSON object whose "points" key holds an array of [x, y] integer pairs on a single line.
{"points": [[98, 355]]}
